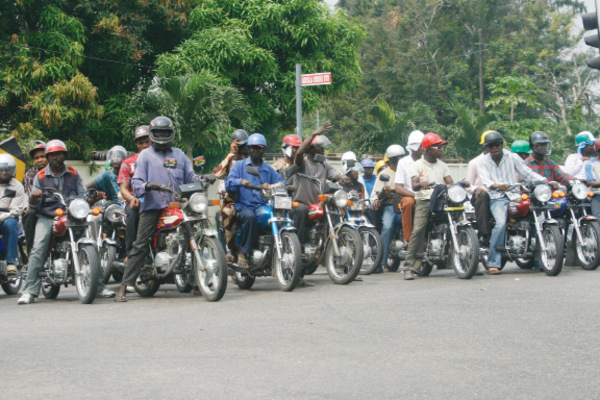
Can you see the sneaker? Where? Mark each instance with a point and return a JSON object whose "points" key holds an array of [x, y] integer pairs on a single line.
{"points": [[130, 289], [11, 269], [106, 293], [409, 275], [26, 298]]}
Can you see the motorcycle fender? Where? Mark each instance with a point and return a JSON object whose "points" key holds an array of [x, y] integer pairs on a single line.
{"points": [[367, 225], [207, 232], [348, 224], [86, 241], [110, 242], [587, 218], [463, 223], [288, 229], [549, 222]]}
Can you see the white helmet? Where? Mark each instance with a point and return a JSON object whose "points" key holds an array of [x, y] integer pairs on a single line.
{"points": [[415, 139], [116, 154], [395, 150], [7, 162], [348, 156]]}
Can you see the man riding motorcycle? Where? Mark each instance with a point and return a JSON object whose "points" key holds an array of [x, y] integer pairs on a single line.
{"points": [[585, 150], [106, 182], [38, 155], [289, 145], [12, 197], [521, 148], [539, 161]]}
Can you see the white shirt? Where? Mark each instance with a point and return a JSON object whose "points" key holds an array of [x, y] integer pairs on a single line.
{"points": [[574, 166], [511, 168], [403, 172], [473, 175]]}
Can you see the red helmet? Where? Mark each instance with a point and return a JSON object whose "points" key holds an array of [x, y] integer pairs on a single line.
{"points": [[55, 146], [597, 144], [431, 139], [37, 145], [291, 140]]}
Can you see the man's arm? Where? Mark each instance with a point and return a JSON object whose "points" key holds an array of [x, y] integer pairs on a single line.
{"points": [[308, 140], [140, 176], [234, 179], [17, 203]]}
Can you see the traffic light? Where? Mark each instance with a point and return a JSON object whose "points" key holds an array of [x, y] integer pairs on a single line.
{"points": [[591, 22]]}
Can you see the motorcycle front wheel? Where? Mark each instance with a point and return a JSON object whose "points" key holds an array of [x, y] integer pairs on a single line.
{"points": [[12, 285], [372, 250], [466, 261], [552, 259], [344, 267], [86, 281], [108, 254], [212, 280], [588, 250], [288, 268]]}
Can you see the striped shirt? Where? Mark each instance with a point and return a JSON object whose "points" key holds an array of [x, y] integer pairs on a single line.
{"points": [[508, 172]]}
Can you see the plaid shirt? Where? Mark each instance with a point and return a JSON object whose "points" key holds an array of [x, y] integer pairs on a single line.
{"points": [[28, 180], [549, 170]]}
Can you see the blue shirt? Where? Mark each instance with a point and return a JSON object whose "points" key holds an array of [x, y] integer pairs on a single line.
{"points": [[589, 175], [172, 168], [247, 198], [369, 183], [107, 182]]}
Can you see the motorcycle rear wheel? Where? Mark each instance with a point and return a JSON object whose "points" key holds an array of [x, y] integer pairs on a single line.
{"points": [[49, 290], [243, 281], [12, 285], [212, 282], [552, 259], [288, 272], [350, 241], [425, 269], [371, 240], [147, 288], [86, 281], [588, 253], [108, 254], [466, 263]]}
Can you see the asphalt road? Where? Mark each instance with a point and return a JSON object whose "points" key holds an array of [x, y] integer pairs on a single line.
{"points": [[519, 335]]}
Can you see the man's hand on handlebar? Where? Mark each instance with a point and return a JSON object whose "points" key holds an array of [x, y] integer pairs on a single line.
{"points": [[246, 183], [501, 186]]}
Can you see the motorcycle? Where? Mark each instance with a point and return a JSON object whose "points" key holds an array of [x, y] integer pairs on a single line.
{"points": [[451, 241], [72, 253], [397, 249], [531, 232], [184, 247], [110, 239], [581, 231], [278, 253], [371, 239], [332, 239]]}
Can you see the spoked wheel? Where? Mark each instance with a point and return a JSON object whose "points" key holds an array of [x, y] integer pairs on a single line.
{"points": [[243, 281], [466, 260], [49, 290], [211, 277], [108, 254], [86, 281], [552, 259], [289, 268], [588, 250], [425, 269], [372, 250], [345, 266], [183, 282]]}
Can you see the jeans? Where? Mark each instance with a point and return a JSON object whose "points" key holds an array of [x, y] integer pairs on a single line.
{"points": [[499, 209], [10, 231], [248, 230], [388, 218]]}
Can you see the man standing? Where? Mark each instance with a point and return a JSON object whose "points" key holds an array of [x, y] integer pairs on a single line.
{"points": [[38, 155], [13, 198]]}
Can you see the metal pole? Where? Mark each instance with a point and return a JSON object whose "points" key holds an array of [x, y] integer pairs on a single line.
{"points": [[318, 122], [299, 100]]}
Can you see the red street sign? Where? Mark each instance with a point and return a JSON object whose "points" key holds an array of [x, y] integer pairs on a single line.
{"points": [[322, 78]]}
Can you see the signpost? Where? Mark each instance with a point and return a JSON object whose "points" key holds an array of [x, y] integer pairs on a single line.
{"points": [[321, 78]]}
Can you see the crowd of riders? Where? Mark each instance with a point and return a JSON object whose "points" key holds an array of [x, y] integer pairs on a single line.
{"points": [[400, 190]]}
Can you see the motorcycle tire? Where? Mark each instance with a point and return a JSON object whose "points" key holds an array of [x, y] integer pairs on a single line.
{"points": [[117, 276], [310, 268], [588, 252], [552, 259], [12, 285], [211, 286], [372, 250], [148, 288], [49, 290], [394, 265], [86, 282], [466, 263], [350, 240], [108, 254], [243, 281], [289, 271], [425, 269], [182, 281]]}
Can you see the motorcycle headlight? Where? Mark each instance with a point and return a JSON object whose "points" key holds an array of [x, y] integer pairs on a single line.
{"points": [[457, 194], [113, 213], [79, 208], [282, 202], [198, 203], [543, 193], [580, 191], [340, 198]]}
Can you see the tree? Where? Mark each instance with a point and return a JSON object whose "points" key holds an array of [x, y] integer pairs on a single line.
{"points": [[511, 91]]}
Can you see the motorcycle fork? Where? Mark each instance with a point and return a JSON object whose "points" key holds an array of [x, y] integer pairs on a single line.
{"points": [[193, 246], [332, 233], [453, 233], [576, 225], [276, 238], [538, 231], [73, 245]]}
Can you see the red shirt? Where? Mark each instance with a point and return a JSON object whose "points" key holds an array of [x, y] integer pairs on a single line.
{"points": [[127, 169]]}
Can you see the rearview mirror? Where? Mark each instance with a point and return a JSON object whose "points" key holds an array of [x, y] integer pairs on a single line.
{"points": [[252, 170], [320, 158], [384, 178], [199, 161]]}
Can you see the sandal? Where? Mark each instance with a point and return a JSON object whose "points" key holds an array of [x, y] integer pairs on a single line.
{"points": [[243, 261], [120, 299], [493, 270]]}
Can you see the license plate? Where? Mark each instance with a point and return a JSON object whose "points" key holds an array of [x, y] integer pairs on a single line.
{"points": [[282, 203]]}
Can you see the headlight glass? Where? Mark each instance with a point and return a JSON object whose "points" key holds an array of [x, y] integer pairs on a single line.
{"points": [[580, 191], [543, 193], [79, 209], [198, 203], [113, 213], [282, 202], [340, 198], [457, 194]]}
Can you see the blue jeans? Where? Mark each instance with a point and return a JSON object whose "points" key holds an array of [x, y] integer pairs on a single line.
{"points": [[248, 230], [388, 218], [596, 205], [10, 231], [499, 209]]}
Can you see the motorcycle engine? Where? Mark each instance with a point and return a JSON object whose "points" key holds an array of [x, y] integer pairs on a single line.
{"points": [[517, 244], [314, 237], [59, 269], [435, 247]]}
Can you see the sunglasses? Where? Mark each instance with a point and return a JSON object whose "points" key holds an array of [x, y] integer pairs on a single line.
{"points": [[255, 147], [437, 147]]}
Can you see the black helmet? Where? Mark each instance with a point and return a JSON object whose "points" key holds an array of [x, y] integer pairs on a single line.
{"points": [[539, 137], [241, 136], [162, 132], [141, 132], [493, 137]]}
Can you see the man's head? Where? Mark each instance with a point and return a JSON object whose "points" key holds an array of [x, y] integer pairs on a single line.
{"points": [[597, 146], [38, 154], [521, 148], [256, 146], [415, 143], [393, 153], [585, 143], [290, 145], [369, 167], [318, 146], [355, 171], [56, 153], [115, 156], [433, 145], [494, 142], [142, 137], [540, 144], [348, 161], [242, 142], [8, 166], [162, 133]]}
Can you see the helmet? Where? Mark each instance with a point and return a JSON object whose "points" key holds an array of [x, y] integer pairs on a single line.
{"points": [[321, 142], [597, 145], [379, 166], [349, 155], [162, 124], [431, 139], [257, 139], [240, 135], [367, 163], [415, 139], [141, 132], [584, 137], [539, 137], [116, 154], [395, 150], [483, 135], [7, 162], [520, 146], [356, 168], [492, 137], [55, 146], [291, 140], [36, 146]]}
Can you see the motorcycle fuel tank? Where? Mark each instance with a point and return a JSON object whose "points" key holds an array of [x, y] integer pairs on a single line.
{"points": [[262, 215], [562, 206], [59, 226], [170, 218], [315, 212], [518, 208]]}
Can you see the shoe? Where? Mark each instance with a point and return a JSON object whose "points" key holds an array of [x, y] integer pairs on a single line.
{"points": [[303, 283], [106, 293], [26, 298], [243, 261], [130, 289], [11, 269], [358, 278], [493, 270], [409, 275]]}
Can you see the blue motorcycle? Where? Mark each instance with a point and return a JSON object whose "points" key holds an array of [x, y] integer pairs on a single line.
{"points": [[279, 253], [11, 284]]}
